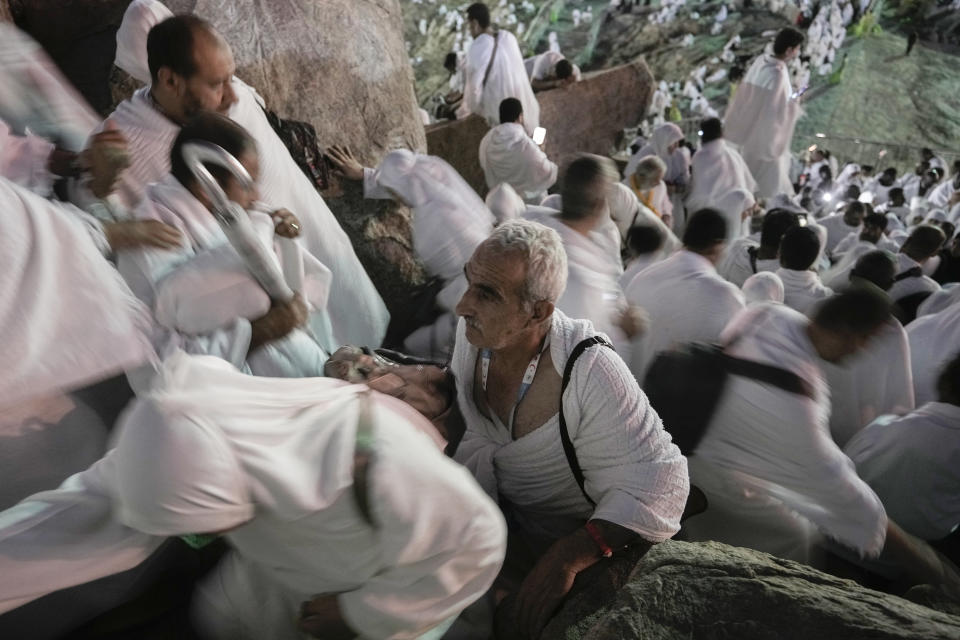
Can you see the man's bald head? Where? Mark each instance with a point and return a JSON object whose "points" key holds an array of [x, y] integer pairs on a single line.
{"points": [[191, 67]]}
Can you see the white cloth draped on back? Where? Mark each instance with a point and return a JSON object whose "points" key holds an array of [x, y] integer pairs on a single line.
{"points": [[593, 275], [913, 463], [138, 19], [23, 160], [686, 301], [767, 454], [760, 121], [873, 382], [934, 340], [732, 204], [66, 316], [717, 170], [357, 313], [802, 290], [637, 477], [504, 203], [507, 79], [508, 154], [449, 218], [763, 287]]}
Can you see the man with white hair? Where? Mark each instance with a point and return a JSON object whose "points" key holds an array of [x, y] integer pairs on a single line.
{"points": [[592, 243], [508, 154], [580, 474], [189, 69]]}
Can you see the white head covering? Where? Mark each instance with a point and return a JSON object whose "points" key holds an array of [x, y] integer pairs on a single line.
{"points": [[936, 215], [664, 136], [552, 201], [765, 286], [504, 203], [139, 18]]}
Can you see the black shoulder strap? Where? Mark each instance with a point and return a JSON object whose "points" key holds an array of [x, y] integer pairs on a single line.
{"points": [[568, 449], [780, 378], [753, 252], [496, 43]]}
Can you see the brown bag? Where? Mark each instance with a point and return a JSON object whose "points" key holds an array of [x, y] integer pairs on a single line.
{"points": [[300, 139]]}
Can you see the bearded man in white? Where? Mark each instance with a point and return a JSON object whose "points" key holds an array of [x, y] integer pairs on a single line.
{"points": [[762, 115], [494, 71], [508, 154], [189, 68]]}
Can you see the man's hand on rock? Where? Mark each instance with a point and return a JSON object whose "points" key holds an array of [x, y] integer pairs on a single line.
{"points": [[134, 234], [345, 162], [543, 590]]}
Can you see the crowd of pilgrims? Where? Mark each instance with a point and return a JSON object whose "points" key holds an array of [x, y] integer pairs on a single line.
{"points": [[254, 443]]}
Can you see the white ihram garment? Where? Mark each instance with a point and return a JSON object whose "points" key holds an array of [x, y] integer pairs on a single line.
{"points": [[760, 121], [802, 290], [507, 79], [508, 154], [934, 341], [717, 170]]}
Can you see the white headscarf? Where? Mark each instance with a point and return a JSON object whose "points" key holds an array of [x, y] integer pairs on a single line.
{"points": [[505, 203], [139, 18], [664, 136], [732, 206], [763, 287]]}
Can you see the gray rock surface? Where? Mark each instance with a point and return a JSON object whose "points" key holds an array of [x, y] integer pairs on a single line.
{"points": [[705, 591]]}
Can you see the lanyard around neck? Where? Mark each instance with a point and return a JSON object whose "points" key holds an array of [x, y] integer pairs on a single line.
{"points": [[528, 375]]}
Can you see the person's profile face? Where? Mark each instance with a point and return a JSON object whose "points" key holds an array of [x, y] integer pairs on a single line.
{"points": [[473, 27], [209, 89], [492, 306]]}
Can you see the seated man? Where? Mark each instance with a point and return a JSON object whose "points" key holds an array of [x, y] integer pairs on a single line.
{"points": [[873, 231], [717, 169], [934, 340], [911, 287], [683, 295], [913, 461], [310, 481], [201, 293], [767, 464], [508, 154], [840, 225], [592, 244], [745, 257], [620, 481], [802, 289], [449, 221], [643, 248], [550, 70]]}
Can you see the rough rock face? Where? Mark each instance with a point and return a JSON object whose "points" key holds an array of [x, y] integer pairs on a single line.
{"points": [[588, 116], [709, 590]]}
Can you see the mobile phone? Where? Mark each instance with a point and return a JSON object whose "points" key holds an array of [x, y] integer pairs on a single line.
{"points": [[539, 134], [797, 94]]}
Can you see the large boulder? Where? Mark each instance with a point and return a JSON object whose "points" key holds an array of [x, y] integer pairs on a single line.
{"points": [[708, 591], [587, 116]]}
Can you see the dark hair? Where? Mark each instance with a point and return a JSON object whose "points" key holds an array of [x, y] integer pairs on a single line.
{"points": [[711, 129], [857, 311], [926, 152], [852, 192], [563, 69], [878, 267], [924, 242], [948, 228], [705, 229], [896, 192], [825, 169], [510, 110], [170, 44], [799, 248], [857, 207], [775, 224], [208, 126], [643, 239], [876, 220], [948, 382], [479, 12], [890, 171], [583, 188], [787, 38], [450, 62]]}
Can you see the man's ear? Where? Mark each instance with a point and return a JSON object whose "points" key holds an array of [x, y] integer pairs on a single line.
{"points": [[542, 310], [168, 80]]}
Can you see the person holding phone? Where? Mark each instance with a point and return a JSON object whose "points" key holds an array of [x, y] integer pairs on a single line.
{"points": [[509, 155], [761, 117]]}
